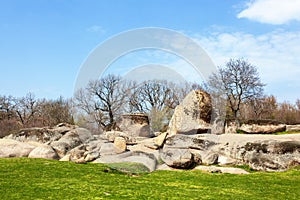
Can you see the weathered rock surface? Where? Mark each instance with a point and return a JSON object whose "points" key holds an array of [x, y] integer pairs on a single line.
{"points": [[111, 135], [135, 125], [148, 160], [120, 145], [193, 115], [70, 140], [160, 139], [214, 169], [182, 151], [13, 148], [262, 129], [292, 128], [41, 135], [179, 151], [43, 151], [200, 142], [260, 152], [178, 158], [210, 158]]}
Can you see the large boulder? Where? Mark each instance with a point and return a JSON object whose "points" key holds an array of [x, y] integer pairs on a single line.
{"points": [[71, 140], [12, 148], [178, 158], [193, 115], [146, 159], [43, 151], [135, 125], [185, 151], [260, 152]]}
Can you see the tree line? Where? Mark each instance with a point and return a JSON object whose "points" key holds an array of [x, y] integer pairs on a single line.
{"points": [[28, 111], [236, 88]]}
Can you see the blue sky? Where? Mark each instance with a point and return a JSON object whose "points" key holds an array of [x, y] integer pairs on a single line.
{"points": [[43, 43]]}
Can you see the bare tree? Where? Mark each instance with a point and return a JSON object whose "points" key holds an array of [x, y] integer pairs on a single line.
{"points": [[7, 107], [156, 94], [103, 100], [53, 112], [239, 81], [27, 109]]}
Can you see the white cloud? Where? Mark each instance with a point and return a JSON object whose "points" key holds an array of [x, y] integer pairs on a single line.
{"points": [[272, 11], [276, 54], [96, 29]]}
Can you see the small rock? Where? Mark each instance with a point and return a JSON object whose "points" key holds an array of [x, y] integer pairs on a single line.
{"points": [[159, 140]]}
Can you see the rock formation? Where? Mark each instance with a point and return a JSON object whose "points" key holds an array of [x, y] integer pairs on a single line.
{"points": [[135, 125], [180, 151], [193, 115]]}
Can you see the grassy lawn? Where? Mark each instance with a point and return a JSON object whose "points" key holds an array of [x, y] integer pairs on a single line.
{"points": [[43, 179]]}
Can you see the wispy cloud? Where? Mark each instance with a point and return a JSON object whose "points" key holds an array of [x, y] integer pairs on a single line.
{"points": [[271, 11], [96, 29], [275, 54]]}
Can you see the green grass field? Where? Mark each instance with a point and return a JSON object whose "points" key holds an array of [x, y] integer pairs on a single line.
{"points": [[43, 179]]}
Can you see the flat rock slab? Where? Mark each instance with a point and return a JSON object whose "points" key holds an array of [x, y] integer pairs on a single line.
{"points": [[148, 160], [229, 170]]}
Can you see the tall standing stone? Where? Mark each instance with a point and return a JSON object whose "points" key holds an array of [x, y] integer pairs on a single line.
{"points": [[193, 115]]}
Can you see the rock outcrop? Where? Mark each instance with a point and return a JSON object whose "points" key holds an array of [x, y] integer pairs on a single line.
{"points": [[13, 148], [261, 129], [193, 115], [293, 128], [178, 151], [71, 140], [135, 125], [260, 152], [43, 151]]}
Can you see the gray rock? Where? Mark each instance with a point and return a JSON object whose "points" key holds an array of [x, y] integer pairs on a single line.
{"points": [[77, 153], [144, 148], [111, 135], [135, 125], [12, 148], [189, 141], [178, 158], [261, 152], [223, 160], [71, 140], [107, 149], [43, 151], [229, 170], [89, 157], [262, 129], [210, 158], [293, 128], [146, 159], [42, 135], [160, 139], [197, 156], [120, 145], [193, 115]]}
